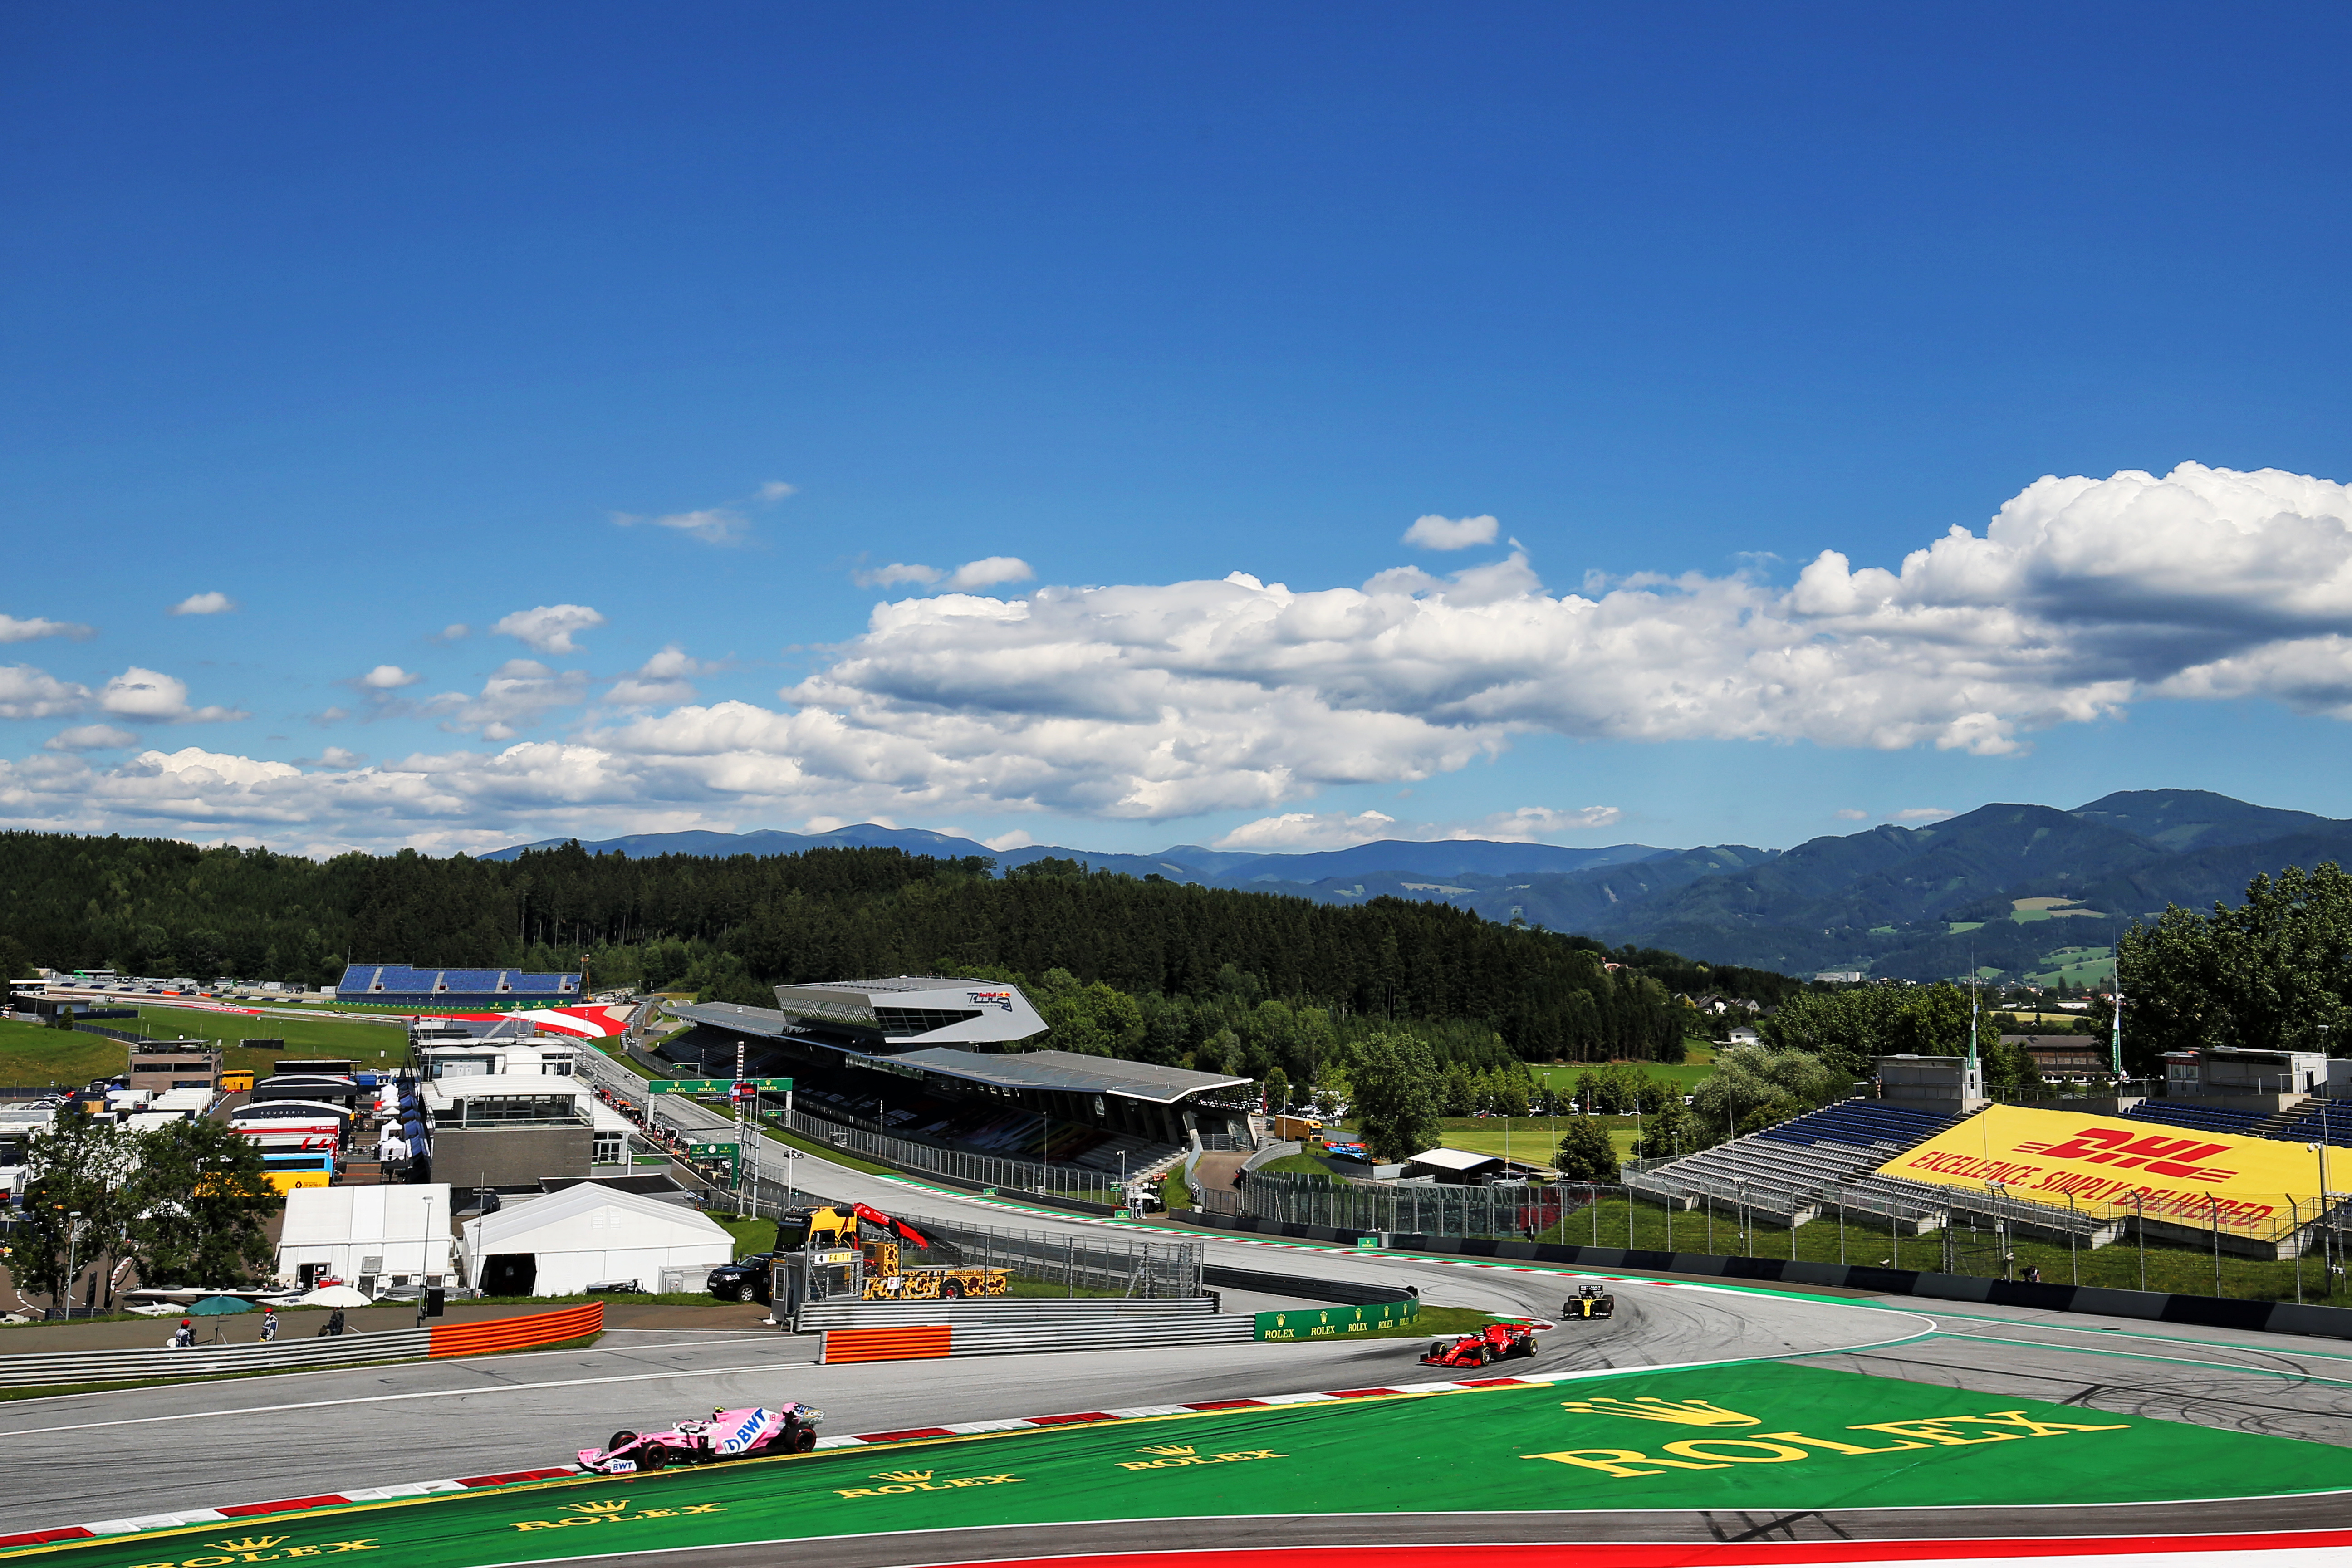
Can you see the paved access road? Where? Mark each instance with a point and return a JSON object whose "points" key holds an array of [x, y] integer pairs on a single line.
{"points": [[89, 1458]]}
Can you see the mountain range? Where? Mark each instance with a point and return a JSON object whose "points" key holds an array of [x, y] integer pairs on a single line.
{"points": [[2018, 891]]}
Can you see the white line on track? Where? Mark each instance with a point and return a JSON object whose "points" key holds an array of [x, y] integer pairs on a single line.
{"points": [[508, 1358], [487, 1388]]}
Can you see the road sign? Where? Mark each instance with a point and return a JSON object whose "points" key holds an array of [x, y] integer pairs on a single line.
{"points": [[711, 1151], [715, 1085]]}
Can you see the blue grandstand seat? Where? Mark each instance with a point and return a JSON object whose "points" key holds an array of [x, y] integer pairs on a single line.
{"points": [[2202, 1117]]}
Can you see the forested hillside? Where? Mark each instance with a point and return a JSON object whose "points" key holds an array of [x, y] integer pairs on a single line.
{"points": [[728, 928]]}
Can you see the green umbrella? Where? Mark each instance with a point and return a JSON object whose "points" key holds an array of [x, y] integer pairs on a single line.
{"points": [[220, 1307]]}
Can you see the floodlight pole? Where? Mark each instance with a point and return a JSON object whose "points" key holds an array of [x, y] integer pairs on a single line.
{"points": [[73, 1256], [2116, 1035]]}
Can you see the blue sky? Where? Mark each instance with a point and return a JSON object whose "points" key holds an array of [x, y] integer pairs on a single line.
{"points": [[660, 335]]}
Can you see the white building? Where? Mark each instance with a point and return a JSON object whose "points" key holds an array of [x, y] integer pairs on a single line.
{"points": [[483, 1082], [587, 1235], [368, 1237]]}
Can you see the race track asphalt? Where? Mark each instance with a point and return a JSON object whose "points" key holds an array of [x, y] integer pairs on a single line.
{"points": [[104, 1456]]}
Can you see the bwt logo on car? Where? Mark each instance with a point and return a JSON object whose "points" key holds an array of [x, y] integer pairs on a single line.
{"points": [[991, 999], [743, 1434]]}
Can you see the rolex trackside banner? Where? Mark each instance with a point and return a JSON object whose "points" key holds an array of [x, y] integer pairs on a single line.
{"points": [[2107, 1163]]}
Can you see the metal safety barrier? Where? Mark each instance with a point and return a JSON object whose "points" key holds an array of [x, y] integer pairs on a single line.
{"points": [[865, 1344], [1009, 1312], [61, 1368]]}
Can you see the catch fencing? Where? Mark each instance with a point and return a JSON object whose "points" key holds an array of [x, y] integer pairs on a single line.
{"points": [[1111, 1261], [1080, 1182], [1298, 1199]]}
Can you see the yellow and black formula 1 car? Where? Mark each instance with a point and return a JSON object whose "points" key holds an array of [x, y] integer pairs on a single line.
{"points": [[1589, 1301]]}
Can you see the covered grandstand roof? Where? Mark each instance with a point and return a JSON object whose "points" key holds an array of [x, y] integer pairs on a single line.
{"points": [[1070, 1072], [1064, 1071]]}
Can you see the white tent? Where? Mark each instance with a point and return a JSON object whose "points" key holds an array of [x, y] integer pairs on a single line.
{"points": [[380, 1234], [588, 1235]]}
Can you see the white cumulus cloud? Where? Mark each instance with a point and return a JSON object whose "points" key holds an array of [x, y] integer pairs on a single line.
{"points": [[1922, 813], [29, 693], [1296, 830], [549, 628], [663, 679], [388, 678], [985, 572], [1435, 533], [14, 630], [1164, 701], [91, 738], [725, 524], [212, 603], [161, 699], [518, 696]]}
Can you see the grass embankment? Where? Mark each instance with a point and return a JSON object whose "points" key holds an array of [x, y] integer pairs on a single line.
{"points": [[2186, 1270], [1531, 1140], [31, 1054]]}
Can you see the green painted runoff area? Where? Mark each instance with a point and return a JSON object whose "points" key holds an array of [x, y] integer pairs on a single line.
{"points": [[1753, 1435]]}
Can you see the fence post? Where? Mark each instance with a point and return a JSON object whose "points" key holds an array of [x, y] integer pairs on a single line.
{"points": [[2139, 1223], [2295, 1219], [2214, 1206]]}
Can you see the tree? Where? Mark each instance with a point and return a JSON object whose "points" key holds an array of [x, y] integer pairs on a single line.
{"points": [[1846, 1030], [1585, 1153], [1395, 1105], [1666, 1132], [2274, 972], [82, 1164], [1277, 1091], [202, 1205], [1753, 1086]]}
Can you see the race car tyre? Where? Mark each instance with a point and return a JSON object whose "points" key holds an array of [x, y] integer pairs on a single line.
{"points": [[653, 1458], [952, 1290], [619, 1440], [746, 1291], [802, 1440]]}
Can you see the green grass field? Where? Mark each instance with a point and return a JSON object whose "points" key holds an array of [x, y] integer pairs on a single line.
{"points": [[31, 1054], [1532, 1139], [1699, 1063], [34, 1056]]}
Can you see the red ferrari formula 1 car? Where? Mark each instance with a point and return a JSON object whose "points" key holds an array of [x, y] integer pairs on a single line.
{"points": [[1496, 1342], [727, 1435]]}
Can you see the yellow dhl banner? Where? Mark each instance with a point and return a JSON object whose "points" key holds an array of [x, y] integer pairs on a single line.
{"points": [[2108, 1163]]}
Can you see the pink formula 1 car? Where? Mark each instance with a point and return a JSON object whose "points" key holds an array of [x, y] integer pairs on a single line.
{"points": [[727, 1435]]}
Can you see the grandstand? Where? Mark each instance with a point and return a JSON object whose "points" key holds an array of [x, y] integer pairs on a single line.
{"points": [[2188, 1113], [401, 985], [1786, 1170], [2319, 1122]]}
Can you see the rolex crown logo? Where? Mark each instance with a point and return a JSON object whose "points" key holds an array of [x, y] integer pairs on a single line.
{"points": [[906, 1475], [250, 1544], [1650, 1407], [606, 1508], [1170, 1451]]}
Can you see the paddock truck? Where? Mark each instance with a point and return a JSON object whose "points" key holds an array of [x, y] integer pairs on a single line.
{"points": [[1589, 1301], [1496, 1341], [727, 1435]]}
